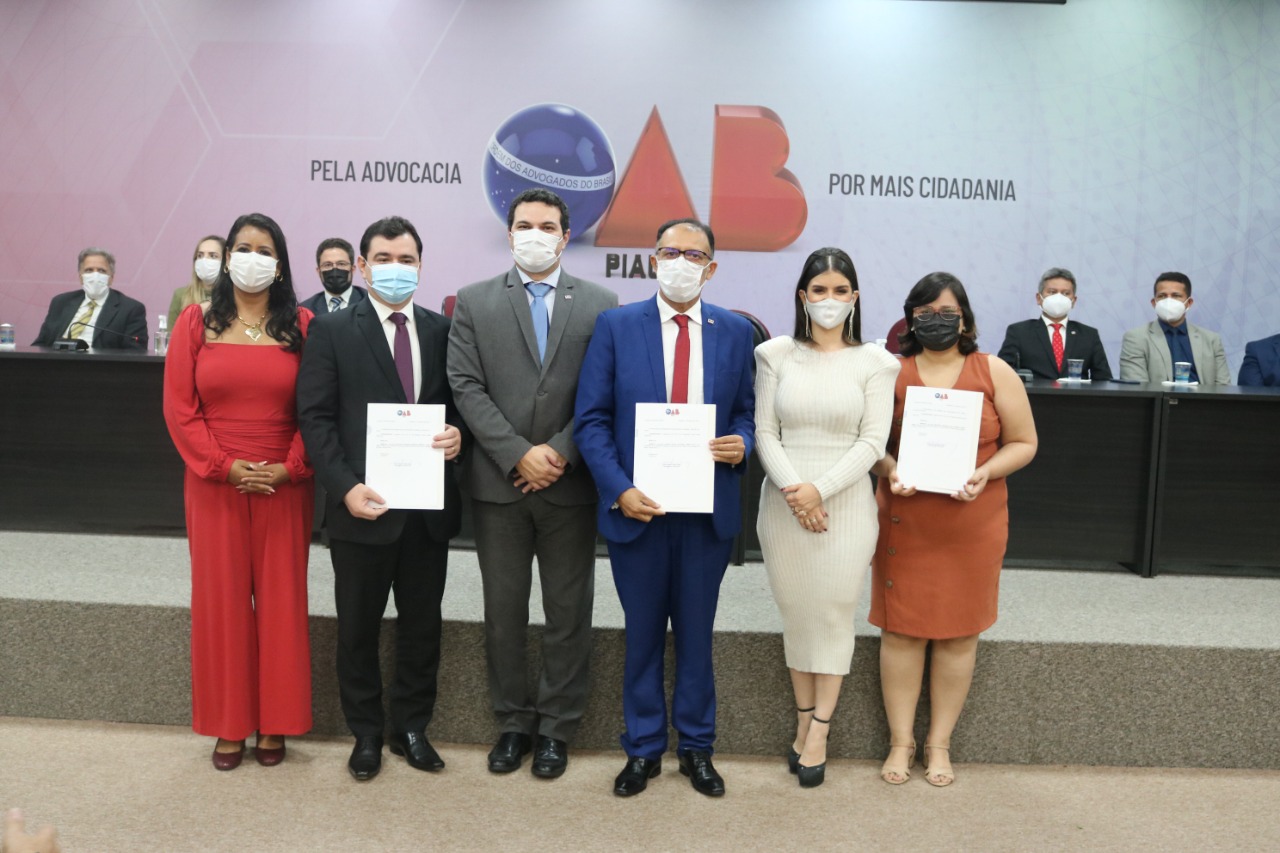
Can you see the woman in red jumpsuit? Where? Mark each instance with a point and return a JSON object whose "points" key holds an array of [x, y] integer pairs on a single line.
{"points": [[229, 403]]}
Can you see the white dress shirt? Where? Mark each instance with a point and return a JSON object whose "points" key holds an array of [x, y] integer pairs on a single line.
{"points": [[389, 329], [1048, 328], [669, 332], [550, 298], [345, 296], [86, 332]]}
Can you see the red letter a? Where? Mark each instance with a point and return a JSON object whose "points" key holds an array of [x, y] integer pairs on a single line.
{"points": [[651, 191]]}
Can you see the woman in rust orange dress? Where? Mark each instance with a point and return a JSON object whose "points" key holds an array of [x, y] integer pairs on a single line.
{"points": [[936, 570], [229, 402]]}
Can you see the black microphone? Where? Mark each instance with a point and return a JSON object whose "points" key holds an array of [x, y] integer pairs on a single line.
{"points": [[79, 345]]}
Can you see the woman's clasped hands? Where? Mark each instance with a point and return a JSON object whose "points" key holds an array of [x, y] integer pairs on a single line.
{"points": [[805, 502], [257, 477]]}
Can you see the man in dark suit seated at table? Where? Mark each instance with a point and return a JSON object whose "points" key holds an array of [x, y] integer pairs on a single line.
{"points": [[1148, 353], [335, 264], [1045, 345], [101, 317], [1261, 363]]}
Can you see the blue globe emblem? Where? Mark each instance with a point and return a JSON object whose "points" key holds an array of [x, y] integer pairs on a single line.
{"points": [[555, 147]]}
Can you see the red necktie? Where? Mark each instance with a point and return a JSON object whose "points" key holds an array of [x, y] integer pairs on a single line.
{"points": [[680, 371], [1057, 344]]}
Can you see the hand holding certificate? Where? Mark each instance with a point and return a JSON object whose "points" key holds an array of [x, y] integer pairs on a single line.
{"points": [[939, 446], [674, 465], [400, 463]]}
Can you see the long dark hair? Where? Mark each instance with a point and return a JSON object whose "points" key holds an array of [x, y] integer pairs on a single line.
{"points": [[925, 291], [828, 259], [282, 302]]}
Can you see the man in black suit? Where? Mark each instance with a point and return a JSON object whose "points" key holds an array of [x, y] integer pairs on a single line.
{"points": [[335, 263], [1045, 345], [101, 317], [384, 350]]}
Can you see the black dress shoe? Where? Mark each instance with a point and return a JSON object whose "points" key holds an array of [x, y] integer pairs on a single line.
{"points": [[635, 777], [366, 758], [509, 751], [417, 750], [702, 773], [551, 758]]}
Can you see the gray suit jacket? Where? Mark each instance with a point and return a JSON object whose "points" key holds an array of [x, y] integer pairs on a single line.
{"points": [[510, 401], [1144, 355]]}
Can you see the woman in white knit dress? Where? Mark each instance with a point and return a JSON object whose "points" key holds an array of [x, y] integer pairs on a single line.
{"points": [[824, 402]]}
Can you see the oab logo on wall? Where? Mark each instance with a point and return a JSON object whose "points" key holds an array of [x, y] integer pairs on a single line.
{"points": [[756, 203]]}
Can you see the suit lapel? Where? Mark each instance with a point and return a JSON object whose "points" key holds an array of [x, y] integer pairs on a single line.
{"points": [[68, 313], [516, 295], [426, 352], [710, 342], [1160, 343], [563, 296], [1043, 334], [652, 331], [110, 306], [366, 320], [1200, 354]]}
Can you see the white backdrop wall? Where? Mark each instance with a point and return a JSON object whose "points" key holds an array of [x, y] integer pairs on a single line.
{"points": [[1137, 135]]}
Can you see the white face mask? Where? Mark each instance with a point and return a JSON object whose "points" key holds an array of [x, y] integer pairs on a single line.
{"points": [[533, 250], [680, 279], [251, 272], [829, 313], [96, 285], [1170, 310], [1056, 305], [207, 269]]}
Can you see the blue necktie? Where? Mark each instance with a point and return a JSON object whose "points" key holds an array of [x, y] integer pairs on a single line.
{"points": [[334, 303], [540, 320]]}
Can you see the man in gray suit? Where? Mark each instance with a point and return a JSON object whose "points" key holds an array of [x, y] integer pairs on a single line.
{"points": [[515, 349], [1149, 352]]}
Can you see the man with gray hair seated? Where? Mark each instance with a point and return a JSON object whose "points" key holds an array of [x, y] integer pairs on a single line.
{"points": [[1046, 345], [96, 314]]}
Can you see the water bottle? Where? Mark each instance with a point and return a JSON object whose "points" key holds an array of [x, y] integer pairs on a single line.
{"points": [[162, 335], [8, 338]]}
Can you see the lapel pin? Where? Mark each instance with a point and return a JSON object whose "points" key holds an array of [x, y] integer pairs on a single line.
{"points": [[711, 321], [568, 296]]}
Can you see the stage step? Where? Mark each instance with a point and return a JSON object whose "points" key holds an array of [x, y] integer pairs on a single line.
{"points": [[1081, 668]]}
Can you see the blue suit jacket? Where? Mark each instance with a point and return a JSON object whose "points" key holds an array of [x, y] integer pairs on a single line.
{"points": [[1261, 362], [624, 366]]}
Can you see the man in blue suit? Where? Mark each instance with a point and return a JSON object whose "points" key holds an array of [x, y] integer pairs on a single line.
{"points": [[668, 567], [1261, 362]]}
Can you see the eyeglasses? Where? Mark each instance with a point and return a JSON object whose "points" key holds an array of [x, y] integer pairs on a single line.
{"points": [[945, 313], [340, 265], [693, 256]]}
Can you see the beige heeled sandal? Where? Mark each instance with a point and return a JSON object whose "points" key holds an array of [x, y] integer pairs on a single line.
{"points": [[902, 772], [940, 778]]}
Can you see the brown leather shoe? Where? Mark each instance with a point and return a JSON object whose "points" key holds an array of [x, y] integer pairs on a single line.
{"points": [[227, 760], [269, 757]]}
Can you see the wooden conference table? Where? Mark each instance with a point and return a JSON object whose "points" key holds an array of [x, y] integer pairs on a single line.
{"points": [[1153, 478]]}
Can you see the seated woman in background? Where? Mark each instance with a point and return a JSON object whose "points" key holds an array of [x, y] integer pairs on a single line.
{"points": [[936, 572], [206, 264], [229, 402], [823, 404]]}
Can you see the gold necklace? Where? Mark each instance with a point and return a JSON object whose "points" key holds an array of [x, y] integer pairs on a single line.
{"points": [[253, 330]]}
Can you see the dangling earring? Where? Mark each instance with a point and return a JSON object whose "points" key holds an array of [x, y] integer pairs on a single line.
{"points": [[848, 335], [808, 329]]}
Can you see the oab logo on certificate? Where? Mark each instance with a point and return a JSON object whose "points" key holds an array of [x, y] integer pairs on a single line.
{"points": [[674, 465], [400, 463]]}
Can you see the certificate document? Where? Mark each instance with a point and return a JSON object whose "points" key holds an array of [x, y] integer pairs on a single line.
{"points": [[939, 446], [400, 463], [674, 465]]}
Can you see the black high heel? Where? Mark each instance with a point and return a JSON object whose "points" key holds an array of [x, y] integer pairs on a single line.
{"points": [[812, 777], [793, 757]]}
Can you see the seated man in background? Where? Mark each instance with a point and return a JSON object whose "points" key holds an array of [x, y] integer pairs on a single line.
{"points": [[335, 263], [1149, 352], [1044, 346], [1261, 362], [101, 317]]}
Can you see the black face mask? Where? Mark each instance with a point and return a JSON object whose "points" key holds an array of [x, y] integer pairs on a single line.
{"points": [[335, 280], [937, 333]]}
